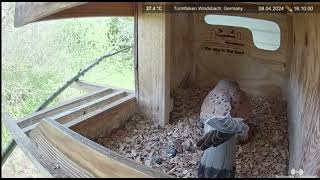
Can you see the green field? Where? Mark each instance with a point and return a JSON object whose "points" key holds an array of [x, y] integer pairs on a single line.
{"points": [[38, 58]]}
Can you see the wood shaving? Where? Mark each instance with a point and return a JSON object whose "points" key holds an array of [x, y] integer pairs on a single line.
{"points": [[265, 155]]}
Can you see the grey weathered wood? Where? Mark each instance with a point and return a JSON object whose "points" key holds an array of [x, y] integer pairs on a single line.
{"points": [[27, 146], [37, 116], [90, 86], [105, 119], [88, 107], [29, 120], [28, 12], [60, 152], [86, 86], [75, 112]]}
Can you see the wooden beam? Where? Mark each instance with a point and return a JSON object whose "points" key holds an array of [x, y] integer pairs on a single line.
{"points": [[86, 86], [80, 157], [36, 117], [27, 12], [73, 113], [61, 152], [135, 50], [88, 107], [304, 95], [94, 9], [106, 119], [153, 68]]}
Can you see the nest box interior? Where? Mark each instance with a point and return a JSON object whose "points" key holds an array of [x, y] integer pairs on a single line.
{"points": [[174, 51]]}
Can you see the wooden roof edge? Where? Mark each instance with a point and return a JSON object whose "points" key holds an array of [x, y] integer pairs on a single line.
{"points": [[29, 12]]}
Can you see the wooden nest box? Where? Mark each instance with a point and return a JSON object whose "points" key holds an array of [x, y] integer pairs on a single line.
{"points": [[176, 50]]}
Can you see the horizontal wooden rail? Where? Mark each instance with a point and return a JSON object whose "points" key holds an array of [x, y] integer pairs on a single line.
{"points": [[37, 116], [70, 114], [65, 150], [86, 86], [88, 107], [8, 150], [58, 151], [106, 119], [81, 84]]}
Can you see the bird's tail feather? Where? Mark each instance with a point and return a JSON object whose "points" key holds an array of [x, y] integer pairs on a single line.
{"points": [[218, 161]]}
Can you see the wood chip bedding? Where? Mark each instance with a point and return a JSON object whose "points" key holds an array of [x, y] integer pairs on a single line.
{"points": [[173, 149]]}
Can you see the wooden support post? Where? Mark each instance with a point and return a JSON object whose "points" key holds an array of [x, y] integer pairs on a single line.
{"points": [[153, 69], [304, 95]]}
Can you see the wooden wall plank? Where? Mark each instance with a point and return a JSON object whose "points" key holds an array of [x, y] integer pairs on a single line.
{"points": [[79, 157], [135, 50], [259, 72], [182, 49], [106, 119], [153, 68], [37, 116], [91, 87], [91, 106], [304, 95], [85, 110]]}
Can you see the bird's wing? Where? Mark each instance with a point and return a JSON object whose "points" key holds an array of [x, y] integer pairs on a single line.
{"points": [[228, 124], [223, 129], [213, 138]]}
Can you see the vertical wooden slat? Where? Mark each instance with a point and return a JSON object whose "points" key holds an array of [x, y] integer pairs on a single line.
{"points": [[153, 68], [135, 50], [304, 95]]}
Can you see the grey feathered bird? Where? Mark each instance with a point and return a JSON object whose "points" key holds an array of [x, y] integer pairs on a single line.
{"points": [[222, 113], [221, 129]]}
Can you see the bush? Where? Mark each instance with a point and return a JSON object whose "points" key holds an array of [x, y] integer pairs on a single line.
{"points": [[38, 58]]}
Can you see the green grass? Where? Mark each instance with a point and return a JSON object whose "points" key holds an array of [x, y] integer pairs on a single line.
{"points": [[106, 74]]}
